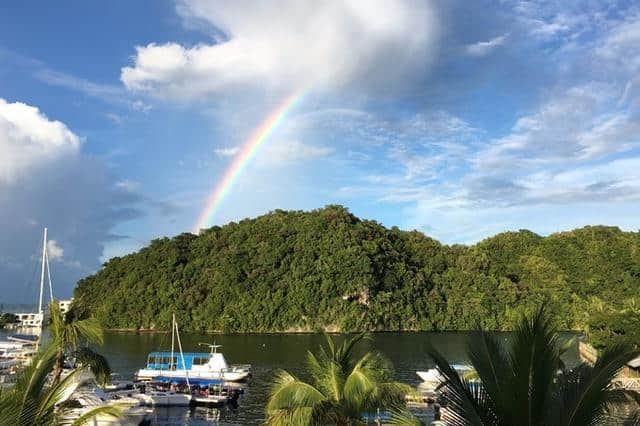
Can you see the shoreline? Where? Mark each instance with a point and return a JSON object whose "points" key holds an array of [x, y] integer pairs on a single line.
{"points": [[295, 332]]}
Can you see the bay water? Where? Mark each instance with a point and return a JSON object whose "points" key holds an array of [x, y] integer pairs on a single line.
{"points": [[268, 353]]}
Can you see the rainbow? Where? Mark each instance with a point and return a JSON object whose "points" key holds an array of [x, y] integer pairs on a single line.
{"points": [[243, 158]]}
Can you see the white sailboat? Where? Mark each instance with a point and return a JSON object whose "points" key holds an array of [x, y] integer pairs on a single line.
{"points": [[19, 349], [36, 320]]}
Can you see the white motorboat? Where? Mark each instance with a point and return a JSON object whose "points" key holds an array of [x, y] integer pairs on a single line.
{"points": [[432, 378], [210, 400], [165, 399], [197, 367], [89, 396]]}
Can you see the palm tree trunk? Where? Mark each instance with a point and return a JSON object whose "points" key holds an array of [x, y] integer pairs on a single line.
{"points": [[57, 368]]}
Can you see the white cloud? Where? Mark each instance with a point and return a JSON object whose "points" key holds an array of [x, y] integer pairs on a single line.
{"points": [[115, 118], [54, 251], [28, 139], [227, 152], [285, 152], [576, 125], [290, 45], [482, 48], [138, 105], [46, 180]]}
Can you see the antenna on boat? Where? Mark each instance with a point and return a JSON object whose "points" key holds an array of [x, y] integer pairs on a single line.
{"points": [[214, 347]]}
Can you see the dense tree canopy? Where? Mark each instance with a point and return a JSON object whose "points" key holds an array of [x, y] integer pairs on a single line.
{"points": [[328, 270]]}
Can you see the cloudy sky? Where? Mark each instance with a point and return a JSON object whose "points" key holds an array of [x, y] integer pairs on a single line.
{"points": [[460, 119]]}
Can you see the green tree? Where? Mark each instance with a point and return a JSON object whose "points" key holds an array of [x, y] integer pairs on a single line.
{"points": [[7, 318], [342, 388], [70, 337]]}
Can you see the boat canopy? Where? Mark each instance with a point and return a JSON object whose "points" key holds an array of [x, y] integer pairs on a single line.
{"points": [[24, 338]]}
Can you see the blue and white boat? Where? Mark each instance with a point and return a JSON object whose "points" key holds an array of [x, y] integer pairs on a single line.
{"points": [[198, 367]]}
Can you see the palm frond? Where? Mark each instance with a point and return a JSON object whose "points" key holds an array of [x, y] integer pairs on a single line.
{"points": [[59, 392], [492, 368], [359, 386], [292, 401], [534, 359], [89, 329], [30, 385], [109, 411], [590, 385], [288, 393], [466, 401], [402, 417], [97, 363]]}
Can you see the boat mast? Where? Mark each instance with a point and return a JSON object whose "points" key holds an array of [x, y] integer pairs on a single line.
{"points": [[184, 365], [44, 254], [49, 276], [173, 329]]}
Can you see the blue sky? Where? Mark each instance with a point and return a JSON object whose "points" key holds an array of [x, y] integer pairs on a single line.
{"points": [[460, 119]]}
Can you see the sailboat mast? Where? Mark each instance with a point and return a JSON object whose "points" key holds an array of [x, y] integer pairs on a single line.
{"points": [[44, 254], [184, 365], [49, 276]]}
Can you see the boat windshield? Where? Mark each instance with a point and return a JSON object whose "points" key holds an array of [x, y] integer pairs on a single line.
{"points": [[159, 362]]}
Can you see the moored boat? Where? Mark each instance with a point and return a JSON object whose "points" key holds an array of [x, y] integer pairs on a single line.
{"points": [[194, 365], [162, 398], [191, 365], [432, 379]]}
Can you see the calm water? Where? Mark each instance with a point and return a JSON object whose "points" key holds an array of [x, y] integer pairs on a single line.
{"points": [[127, 352]]}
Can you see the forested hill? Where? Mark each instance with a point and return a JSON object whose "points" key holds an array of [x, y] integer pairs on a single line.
{"points": [[329, 270]]}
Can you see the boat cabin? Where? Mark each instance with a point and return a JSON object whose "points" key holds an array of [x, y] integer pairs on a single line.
{"points": [[192, 361]]}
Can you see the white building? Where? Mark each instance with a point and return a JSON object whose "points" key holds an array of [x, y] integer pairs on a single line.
{"points": [[29, 319], [65, 305]]}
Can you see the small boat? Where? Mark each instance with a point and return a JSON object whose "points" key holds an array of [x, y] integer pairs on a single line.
{"points": [[191, 365], [18, 351], [87, 395], [27, 339], [8, 365], [8, 374], [209, 400], [163, 399], [116, 384], [432, 379]]}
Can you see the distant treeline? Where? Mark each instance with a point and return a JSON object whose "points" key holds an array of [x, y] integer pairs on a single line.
{"points": [[329, 270]]}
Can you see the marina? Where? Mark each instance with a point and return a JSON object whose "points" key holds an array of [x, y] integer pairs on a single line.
{"points": [[268, 353]]}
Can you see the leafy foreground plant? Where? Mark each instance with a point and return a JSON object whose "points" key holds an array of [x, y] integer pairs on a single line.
{"points": [[526, 383], [32, 401], [341, 390], [67, 334]]}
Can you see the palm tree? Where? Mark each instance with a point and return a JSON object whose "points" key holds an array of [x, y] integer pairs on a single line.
{"points": [[32, 401], [67, 334], [526, 382], [341, 390]]}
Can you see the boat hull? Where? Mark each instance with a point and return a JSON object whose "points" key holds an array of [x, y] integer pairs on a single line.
{"points": [[209, 401], [164, 399], [229, 376]]}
